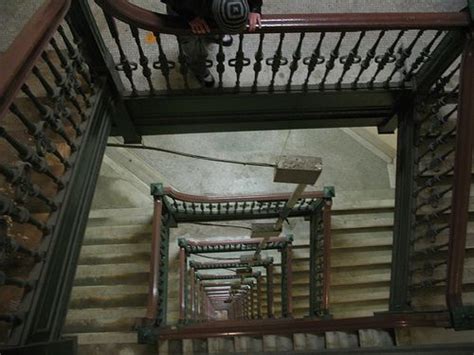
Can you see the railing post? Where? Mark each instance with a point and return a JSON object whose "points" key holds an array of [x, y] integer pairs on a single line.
{"points": [[287, 281], [182, 285], [191, 293], [404, 206], [462, 317], [153, 286], [269, 268], [259, 297], [326, 255]]}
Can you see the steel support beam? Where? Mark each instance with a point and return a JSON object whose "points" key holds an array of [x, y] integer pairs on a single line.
{"points": [[404, 205], [246, 111]]}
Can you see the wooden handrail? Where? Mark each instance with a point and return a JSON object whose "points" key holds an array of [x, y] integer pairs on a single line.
{"points": [[159, 23], [242, 198], [19, 59]]}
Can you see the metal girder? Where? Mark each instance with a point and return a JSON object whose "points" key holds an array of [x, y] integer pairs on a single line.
{"points": [[182, 113], [404, 205]]}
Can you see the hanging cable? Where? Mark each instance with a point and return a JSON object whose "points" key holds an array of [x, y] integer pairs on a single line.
{"points": [[189, 155]]}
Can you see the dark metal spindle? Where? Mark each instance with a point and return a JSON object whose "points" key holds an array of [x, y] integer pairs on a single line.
{"points": [[276, 62], [63, 85], [351, 59], [368, 59], [314, 60], [43, 143], [70, 72], [125, 65], [386, 58], [60, 107], [143, 58], [239, 62], [163, 64], [183, 63], [77, 58], [28, 155], [405, 54], [20, 178], [296, 59], [20, 214], [332, 60], [423, 57], [220, 58], [50, 117], [257, 67]]}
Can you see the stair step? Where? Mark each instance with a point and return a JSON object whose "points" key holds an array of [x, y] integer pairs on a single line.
{"points": [[108, 296], [220, 345], [247, 344], [110, 274], [341, 340], [102, 320], [125, 349], [114, 254], [104, 235], [104, 337], [372, 338], [121, 217]]}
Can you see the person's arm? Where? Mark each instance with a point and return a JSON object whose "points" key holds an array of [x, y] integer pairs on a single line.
{"points": [[256, 6], [255, 17]]}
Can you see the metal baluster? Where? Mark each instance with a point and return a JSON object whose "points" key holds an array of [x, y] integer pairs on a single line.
{"points": [[20, 214], [441, 84], [437, 161], [368, 59], [20, 178], [276, 62], [423, 57], [30, 156], [296, 59], [183, 63], [59, 103], [405, 54], [351, 59], [143, 58], [163, 64], [441, 140], [49, 116], [63, 85], [12, 281], [220, 57], [70, 72], [385, 59], [77, 58], [257, 67], [125, 65], [239, 62], [433, 180], [313, 61], [43, 143], [332, 60]]}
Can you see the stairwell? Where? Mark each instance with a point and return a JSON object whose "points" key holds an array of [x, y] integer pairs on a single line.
{"points": [[111, 282]]}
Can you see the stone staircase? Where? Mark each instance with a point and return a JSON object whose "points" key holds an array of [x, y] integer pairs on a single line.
{"points": [[110, 289], [271, 344]]}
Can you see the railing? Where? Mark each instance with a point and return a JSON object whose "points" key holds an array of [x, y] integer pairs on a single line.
{"points": [[51, 145], [433, 188], [327, 51], [172, 207]]}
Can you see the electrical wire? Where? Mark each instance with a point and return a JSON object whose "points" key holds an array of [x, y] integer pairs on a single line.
{"points": [[189, 155], [217, 258]]}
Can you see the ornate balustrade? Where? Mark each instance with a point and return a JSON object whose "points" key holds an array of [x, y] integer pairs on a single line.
{"points": [[311, 51], [53, 131]]}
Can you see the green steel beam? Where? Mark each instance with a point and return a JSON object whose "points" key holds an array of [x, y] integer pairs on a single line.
{"points": [[180, 113]]}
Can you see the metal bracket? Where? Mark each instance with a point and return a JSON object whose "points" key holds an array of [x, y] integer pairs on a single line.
{"points": [[463, 318], [157, 189], [146, 335], [329, 191]]}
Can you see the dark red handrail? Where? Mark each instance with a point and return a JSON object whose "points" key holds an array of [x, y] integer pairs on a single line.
{"points": [[168, 191], [19, 59], [159, 23]]}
